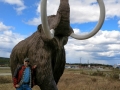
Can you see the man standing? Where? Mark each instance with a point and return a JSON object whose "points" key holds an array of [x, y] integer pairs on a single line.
{"points": [[23, 76]]}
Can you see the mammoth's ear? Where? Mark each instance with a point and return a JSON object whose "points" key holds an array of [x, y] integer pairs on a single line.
{"points": [[53, 21], [39, 26]]}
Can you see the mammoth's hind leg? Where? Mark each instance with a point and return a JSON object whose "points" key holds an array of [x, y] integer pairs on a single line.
{"points": [[48, 85], [13, 63]]}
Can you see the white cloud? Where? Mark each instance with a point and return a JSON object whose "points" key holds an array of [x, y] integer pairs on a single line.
{"points": [[19, 5], [81, 15], [82, 11], [3, 27], [8, 39], [51, 9], [112, 8], [114, 47], [108, 54], [34, 21], [101, 48], [119, 23]]}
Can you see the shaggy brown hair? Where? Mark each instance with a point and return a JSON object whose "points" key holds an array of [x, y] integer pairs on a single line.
{"points": [[48, 55]]}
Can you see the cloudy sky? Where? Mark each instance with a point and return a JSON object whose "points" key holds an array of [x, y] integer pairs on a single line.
{"points": [[20, 18]]}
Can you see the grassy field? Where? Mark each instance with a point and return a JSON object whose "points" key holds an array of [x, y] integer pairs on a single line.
{"points": [[5, 70], [76, 80]]}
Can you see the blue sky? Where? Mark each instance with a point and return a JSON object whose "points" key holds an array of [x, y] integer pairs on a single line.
{"points": [[20, 18]]}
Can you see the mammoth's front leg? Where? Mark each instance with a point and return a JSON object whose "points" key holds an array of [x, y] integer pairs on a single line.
{"points": [[44, 74], [48, 84], [47, 81]]}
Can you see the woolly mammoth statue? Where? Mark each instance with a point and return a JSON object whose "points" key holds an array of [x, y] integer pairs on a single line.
{"points": [[46, 49]]}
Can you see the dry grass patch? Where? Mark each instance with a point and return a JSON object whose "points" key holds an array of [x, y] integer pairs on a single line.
{"points": [[73, 80], [5, 79], [70, 81]]}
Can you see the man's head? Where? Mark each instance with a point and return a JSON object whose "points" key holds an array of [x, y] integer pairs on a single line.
{"points": [[26, 61]]}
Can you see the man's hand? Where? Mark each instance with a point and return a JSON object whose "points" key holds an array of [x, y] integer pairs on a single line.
{"points": [[34, 66], [17, 85]]}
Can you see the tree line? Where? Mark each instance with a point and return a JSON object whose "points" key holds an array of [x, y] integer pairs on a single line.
{"points": [[4, 61]]}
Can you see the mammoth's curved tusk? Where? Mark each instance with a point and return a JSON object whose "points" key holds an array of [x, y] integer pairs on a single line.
{"points": [[98, 26], [44, 20]]}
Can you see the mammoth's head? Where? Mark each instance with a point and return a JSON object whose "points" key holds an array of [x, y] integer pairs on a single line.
{"points": [[60, 23]]}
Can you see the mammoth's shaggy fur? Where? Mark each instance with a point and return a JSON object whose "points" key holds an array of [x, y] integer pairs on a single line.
{"points": [[48, 55]]}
